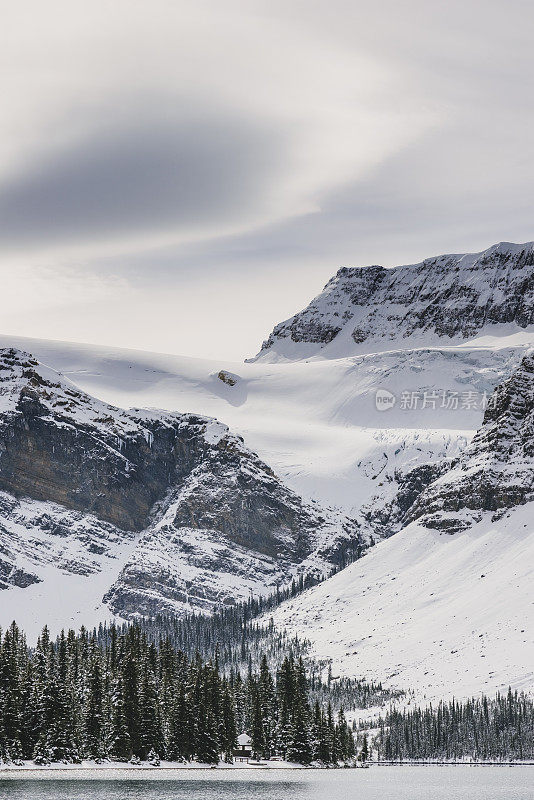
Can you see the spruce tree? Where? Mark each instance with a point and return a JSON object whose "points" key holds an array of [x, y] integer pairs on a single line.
{"points": [[119, 741], [229, 731], [150, 735], [10, 695], [257, 734], [129, 681], [94, 709], [206, 743], [267, 698]]}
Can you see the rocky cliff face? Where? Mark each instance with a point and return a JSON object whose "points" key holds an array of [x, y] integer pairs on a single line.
{"points": [[496, 471], [190, 514], [451, 297], [382, 517], [42, 540], [58, 444]]}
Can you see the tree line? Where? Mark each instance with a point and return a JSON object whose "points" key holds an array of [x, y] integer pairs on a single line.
{"points": [[231, 629], [481, 729], [239, 641], [121, 696]]}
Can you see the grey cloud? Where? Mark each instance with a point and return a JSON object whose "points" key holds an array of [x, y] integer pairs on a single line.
{"points": [[163, 159], [433, 197], [177, 171]]}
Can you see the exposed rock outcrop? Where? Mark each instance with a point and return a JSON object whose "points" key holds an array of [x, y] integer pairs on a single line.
{"points": [[385, 519], [59, 444], [496, 471]]}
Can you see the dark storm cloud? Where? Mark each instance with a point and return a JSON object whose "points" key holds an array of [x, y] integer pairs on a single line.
{"points": [[190, 171]]}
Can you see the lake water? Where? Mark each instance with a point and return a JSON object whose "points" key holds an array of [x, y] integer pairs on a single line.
{"points": [[376, 783]]}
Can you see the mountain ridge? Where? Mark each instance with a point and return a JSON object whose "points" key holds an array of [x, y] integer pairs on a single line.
{"points": [[449, 297]]}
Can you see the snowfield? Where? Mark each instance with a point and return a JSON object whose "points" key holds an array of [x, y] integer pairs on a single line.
{"points": [[75, 569], [314, 422], [445, 615]]}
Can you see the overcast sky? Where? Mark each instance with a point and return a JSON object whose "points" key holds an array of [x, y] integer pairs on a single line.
{"points": [[180, 176]]}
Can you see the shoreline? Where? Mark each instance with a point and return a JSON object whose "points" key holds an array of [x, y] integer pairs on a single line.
{"points": [[68, 770], [526, 763]]}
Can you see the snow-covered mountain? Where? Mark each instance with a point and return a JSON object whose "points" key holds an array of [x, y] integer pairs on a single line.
{"points": [[169, 511], [446, 605], [445, 615], [316, 419], [380, 431], [495, 472], [451, 297], [316, 423]]}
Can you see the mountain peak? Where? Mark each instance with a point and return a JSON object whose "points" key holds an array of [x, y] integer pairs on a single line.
{"points": [[444, 299]]}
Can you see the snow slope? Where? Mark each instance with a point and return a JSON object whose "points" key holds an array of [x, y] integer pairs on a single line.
{"points": [[446, 605], [66, 562], [444, 615]]}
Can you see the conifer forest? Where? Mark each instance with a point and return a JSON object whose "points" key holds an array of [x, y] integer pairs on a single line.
{"points": [[126, 698], [166, 690], [501, 729]]}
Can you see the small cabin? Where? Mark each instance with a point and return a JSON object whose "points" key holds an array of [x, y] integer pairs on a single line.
{"points": [[244, 748]]}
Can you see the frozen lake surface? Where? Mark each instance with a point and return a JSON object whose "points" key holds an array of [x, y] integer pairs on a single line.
{"points": [[377, 783]]}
